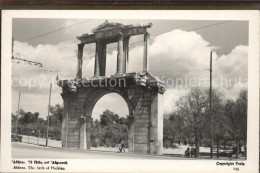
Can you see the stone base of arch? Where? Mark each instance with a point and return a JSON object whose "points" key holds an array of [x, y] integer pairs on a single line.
{"points": [[145, 102]]}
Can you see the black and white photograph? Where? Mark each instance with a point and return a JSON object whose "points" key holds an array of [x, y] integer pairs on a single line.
{"points": [[131, 89]]}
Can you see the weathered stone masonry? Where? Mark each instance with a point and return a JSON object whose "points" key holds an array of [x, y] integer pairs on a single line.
{"points": [[141, 91]]}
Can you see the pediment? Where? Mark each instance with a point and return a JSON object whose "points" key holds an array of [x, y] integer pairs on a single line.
{"points": [[107, 25]]}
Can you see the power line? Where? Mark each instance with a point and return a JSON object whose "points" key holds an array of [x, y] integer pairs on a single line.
{"points": [[202, 27], [159, 36], [24, 55], [54, 31], [28, 61]]}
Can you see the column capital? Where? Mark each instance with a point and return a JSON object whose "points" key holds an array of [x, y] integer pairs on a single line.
{"points": [[127, 36], [146, 35], [120, 36], [80, 45]]}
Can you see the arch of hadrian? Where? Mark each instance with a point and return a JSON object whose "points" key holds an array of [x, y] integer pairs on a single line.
{"points": [[142, 92]]}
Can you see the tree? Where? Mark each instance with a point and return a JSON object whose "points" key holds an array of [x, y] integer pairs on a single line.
{"points": [[110, 129], [108, 117], [242, 113], [55, 121], [218, 123], [172, 129], [30, 122], [192, 108], [236, 113]]}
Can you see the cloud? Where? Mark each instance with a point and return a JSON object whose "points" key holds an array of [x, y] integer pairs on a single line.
{"points": [[56, 59], [170, 97], [233, 65], [112, 102]]}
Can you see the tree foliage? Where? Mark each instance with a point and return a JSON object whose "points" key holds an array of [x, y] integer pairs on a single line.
{"points": [[31, 124], [109, 129], [191, 119]]}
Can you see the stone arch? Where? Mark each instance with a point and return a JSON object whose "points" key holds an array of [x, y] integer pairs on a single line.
{"points": [[89, 105], [90, 102]]}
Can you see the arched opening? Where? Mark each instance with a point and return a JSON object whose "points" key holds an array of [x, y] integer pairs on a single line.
{"points": [[109, 123]]}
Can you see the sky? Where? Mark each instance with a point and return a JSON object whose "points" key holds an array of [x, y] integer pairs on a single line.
{"points": [[179, 51]]}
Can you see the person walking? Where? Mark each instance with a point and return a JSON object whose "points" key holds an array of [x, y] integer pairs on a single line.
{"points": [[122, 145]]}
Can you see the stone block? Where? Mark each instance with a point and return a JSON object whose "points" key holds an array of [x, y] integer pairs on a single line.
{"points": [[156, 147], [141, 133], [141, 148], [153, 133], [70, 144], [142, 103], [142, 115], [142, 109], [73, 122], [141, 139], [147, 94], [63, 143], [142, 129], [72, 126], [154, 122], [73, 138], [73, 132], [141, 124], [73, 145], [142, 120]]}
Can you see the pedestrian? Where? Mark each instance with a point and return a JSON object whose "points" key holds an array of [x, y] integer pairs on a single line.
{"points": [[193, 152], [122, 145], [187, 152]]}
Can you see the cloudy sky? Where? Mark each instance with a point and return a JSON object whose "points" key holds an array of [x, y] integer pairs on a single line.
{"points": [[179, 54]]}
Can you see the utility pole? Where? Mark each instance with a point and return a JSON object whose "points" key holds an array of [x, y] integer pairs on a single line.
{"points": [[48, 116], [38, 131], [210, 107], [67, 121], [18, 109], [12, 47]]}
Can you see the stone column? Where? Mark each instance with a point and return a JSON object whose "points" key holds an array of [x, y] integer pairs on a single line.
{"points": [[145, 58], [119, 56], [82, 133], [125, 57], [97, 61], [131, 135], [103, 49], [88, 131], [64, 128], [156, 129], [80, 62]]}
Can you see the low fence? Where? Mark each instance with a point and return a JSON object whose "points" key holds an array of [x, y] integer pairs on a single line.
{"points": [[40, 141]]}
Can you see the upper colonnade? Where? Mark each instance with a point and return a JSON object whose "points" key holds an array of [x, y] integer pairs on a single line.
{"points": [[107, 33]]}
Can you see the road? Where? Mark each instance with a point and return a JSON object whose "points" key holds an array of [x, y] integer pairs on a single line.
{"points": [[23, 150]]}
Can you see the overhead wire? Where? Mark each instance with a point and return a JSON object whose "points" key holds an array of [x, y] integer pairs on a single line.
{"points": [[55, 31]]}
